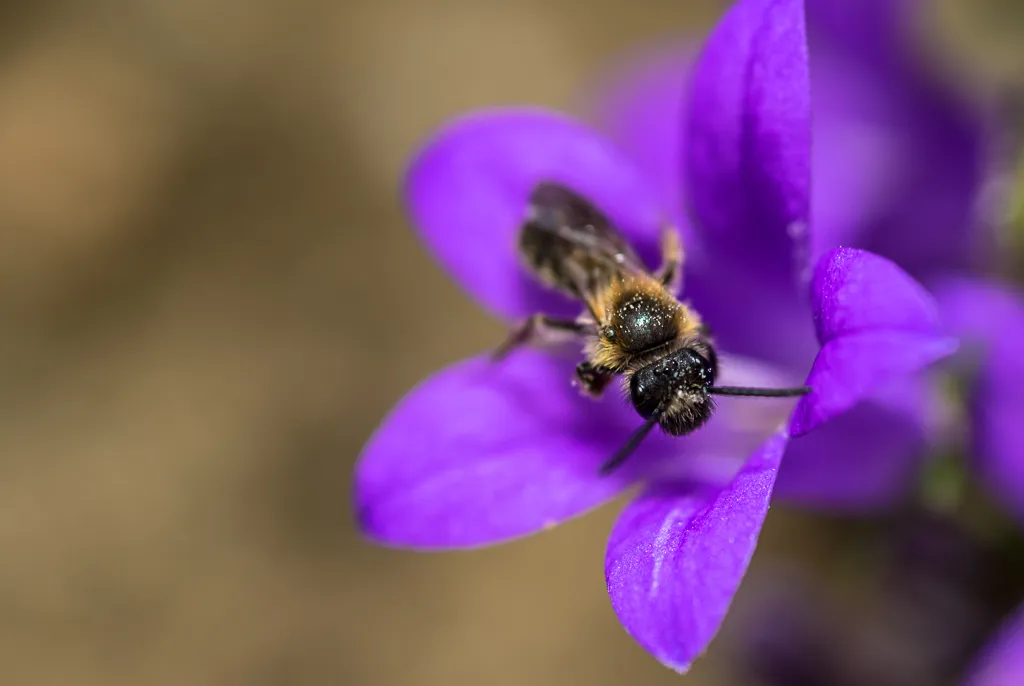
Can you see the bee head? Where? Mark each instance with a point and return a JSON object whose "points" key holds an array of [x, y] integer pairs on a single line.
{"points": [[676, 389], [677, 392]]}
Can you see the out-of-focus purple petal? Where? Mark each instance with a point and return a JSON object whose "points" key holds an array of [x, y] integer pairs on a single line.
{"points": [[748, 132], [483, 452], [860, 131], [900, 153], [640, 104], [676, 558], [979, 311], [990, 319], [932, 224], [864, 459], [858, 158], [875, 323], [1002, 662], [879, 29], [467, 191]]}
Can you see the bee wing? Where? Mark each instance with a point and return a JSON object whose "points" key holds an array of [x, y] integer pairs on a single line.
{"points": [[577, 221], [574, 246]]}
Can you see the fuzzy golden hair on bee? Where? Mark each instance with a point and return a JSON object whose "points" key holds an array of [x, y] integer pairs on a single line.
{"points": [[640, 317]]}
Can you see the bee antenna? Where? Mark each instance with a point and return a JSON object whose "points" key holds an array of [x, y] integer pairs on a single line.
{"points": [[627, 449], [760, 392]]}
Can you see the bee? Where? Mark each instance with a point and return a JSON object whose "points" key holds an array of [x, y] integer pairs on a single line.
{"points": [[632, 326]]}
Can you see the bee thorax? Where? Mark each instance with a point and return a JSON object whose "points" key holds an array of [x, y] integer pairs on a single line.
{"points": [[643, 320]]}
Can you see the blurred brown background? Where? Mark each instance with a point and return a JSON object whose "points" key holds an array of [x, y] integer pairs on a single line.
{"points": [[201, 286]]}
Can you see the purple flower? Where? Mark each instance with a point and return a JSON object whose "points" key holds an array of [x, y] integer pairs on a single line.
{"points": [[485, 452], [991, 320]]}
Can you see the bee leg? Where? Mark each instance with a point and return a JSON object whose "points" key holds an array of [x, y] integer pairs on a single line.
{"points": [[593, 380], [671, 271], [541, 329]]}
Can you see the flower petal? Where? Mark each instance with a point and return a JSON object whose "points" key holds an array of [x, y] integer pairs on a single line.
{"points": [[859, 155], [879, 28], [900, 154], [875, 323], [990, 319], [748, 131], [467, 192], [640, 103], [848, 369], [750, 312], [864, 459], [483, 452], [979, 311], [1002, 663], [855, 291], [676, 558]]}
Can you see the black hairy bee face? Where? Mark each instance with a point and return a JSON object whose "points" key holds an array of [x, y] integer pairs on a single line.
{"points": [[676, 389]]}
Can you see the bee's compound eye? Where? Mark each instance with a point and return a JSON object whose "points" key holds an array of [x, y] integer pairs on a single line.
{"points": [[608, 332]]}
